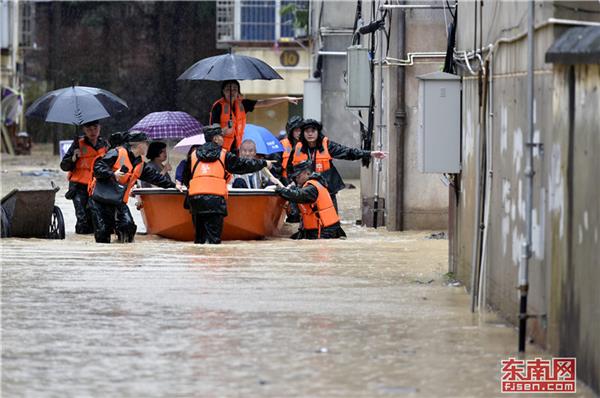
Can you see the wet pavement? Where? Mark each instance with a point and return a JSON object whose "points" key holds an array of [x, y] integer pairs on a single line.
{"points": [[369, 316]]}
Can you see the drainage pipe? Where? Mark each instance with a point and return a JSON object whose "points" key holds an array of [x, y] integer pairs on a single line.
{"points": [[322, 52], [400, 123], [477, 220], [378, 162], [460, 54], [481, 300], [529, 172], [413, 7]]}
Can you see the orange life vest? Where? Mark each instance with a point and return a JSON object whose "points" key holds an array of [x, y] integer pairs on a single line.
{"points": [[239, 121], [208, 178], [83, 171], [321, 213], [128, 178], [287, 150], [321, 160]]}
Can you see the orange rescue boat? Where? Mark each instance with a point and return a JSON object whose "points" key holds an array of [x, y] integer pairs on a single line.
{"points": [[252, 214]]}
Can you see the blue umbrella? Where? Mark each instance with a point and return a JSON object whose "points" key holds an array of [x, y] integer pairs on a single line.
{"points": [[266, 142]]}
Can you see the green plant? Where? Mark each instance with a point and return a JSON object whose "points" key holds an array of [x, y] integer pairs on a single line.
{"points": [[299, 15]]}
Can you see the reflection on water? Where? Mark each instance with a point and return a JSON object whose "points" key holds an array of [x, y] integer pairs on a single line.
{"points": [[367, 316]]}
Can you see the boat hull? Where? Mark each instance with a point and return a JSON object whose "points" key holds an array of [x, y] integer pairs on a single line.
{"points": [[252, 214]]}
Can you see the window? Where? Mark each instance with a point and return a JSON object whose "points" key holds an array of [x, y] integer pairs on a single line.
{"points": [[255, 20], [258, 20], [27, 23]]}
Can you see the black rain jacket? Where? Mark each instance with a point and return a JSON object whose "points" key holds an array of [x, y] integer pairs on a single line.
{"points": [[103, 169], [210, 152], [309, 194], [337, 151]]}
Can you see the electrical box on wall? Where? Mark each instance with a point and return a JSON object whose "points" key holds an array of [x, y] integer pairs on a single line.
{"points": [[439, 123], [358, 76], [312, 99]]}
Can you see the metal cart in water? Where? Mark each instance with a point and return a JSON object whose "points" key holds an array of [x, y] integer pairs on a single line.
{"points": [[31, 213]]}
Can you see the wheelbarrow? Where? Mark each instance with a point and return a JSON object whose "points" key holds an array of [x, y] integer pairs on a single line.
{"points": [[32, 214]]}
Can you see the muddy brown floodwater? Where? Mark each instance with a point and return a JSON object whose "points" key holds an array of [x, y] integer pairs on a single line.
{"points": [[363, 317]]}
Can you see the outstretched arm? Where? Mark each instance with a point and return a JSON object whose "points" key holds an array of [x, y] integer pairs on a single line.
{"points": [[307, 194], [264, 103], [154, 177], [339, 151], [236, 165]]}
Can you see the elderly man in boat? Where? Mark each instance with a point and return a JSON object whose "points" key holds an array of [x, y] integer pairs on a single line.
{"points": [[320, 219], [256, 180], [206, 176]]}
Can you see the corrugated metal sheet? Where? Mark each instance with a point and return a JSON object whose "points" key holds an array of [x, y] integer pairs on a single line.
{"points": [[576, 46]]}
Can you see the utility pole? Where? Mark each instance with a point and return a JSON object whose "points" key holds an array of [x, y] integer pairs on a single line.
{"points": [[15, 44]]}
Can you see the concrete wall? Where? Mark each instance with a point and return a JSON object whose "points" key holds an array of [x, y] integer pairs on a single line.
{"points": [[425, 198], [506, 228], [8, 76], [574, 220], [275, 117], [293, 76], [563, 272]]}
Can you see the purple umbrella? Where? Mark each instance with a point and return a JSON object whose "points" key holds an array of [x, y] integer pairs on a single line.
{"points": [[164, 125]]}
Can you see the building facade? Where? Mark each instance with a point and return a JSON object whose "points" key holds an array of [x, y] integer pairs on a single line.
{"points": [[411, 43], [268, 30], [489, 223], [16, 31], [128, 48]]}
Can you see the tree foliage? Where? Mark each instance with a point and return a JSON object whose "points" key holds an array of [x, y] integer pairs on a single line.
{"points": [[133, 49]]}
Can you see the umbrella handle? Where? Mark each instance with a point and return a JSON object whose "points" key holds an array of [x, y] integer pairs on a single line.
{"points": [[272, 178]]}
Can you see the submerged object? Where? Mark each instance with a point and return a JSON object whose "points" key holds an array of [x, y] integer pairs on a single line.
{"points": [[31, 213]]}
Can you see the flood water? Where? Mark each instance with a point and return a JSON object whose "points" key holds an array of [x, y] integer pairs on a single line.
{"points": [[368, 316]]}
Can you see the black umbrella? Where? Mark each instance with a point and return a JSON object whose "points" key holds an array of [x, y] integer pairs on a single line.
{"points": [[230, 67], [76, 105]]}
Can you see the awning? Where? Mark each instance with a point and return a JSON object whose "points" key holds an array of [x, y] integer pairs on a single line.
{"points": [[12, 106], [576, 46]]}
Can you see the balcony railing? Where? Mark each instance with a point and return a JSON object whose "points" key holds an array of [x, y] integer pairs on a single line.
{"points": [[255, 20]]}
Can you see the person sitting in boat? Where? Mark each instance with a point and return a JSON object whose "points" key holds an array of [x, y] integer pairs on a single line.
{"points": [[320, 219], [125, 165], [180, 169], [78, 162], [256, 180], [320, 151], [157, 156], [206, 178], [230, 112]]}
